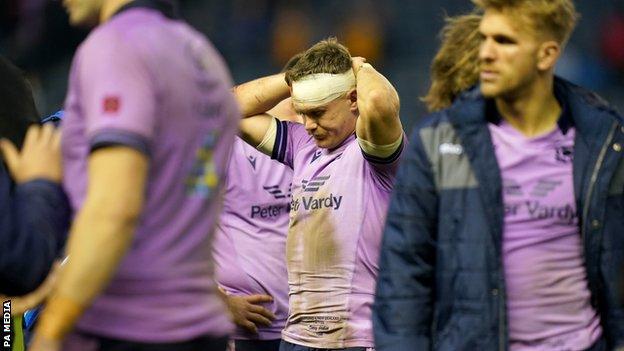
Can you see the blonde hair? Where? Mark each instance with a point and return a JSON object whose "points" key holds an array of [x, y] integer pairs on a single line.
{"points": [[555, 17], [455, 67]]}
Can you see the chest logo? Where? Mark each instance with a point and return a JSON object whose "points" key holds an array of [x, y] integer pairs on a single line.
{"points": [[316, 155], [545, 187], [314, 184], [451, 149], [511, 187], [564, 154], [277, 192], [252, 161]]}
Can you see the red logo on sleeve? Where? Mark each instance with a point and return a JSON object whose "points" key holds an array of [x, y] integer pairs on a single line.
{"points": [[111, 104]]}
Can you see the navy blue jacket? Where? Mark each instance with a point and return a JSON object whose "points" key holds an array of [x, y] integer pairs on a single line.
{"points": [[34, 220], [441, 282]]}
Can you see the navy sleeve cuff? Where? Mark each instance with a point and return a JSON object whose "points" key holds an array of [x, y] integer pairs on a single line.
{"points": [[385, 160], [112, 137], [281, 141]]}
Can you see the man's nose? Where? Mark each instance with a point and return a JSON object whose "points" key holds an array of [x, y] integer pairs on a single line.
{"points": [[487, 51], [309, 124]]}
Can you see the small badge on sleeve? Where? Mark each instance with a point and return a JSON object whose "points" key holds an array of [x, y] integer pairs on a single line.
{"points": [[111, 104]]}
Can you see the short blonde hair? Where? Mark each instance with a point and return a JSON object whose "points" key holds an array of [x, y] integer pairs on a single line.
{"points": [[455, 67], [554, 17]]}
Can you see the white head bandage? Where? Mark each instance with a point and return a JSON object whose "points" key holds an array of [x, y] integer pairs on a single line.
{"points": [[321, 88]]}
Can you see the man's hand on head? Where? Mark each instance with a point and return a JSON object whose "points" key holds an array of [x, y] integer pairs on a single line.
{"points": [[357, 63]]}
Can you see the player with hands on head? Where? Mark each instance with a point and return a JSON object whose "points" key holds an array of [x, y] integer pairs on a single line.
{"points": [[344, 157]]}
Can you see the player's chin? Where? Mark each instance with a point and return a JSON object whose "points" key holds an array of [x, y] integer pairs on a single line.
{"points": [[323, 143], [320, 143], [489, 90]]}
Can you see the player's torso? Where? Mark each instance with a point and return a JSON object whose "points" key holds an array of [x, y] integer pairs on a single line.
{"points": [[336, 220], [189, 115], [186, 158], [249, 245], [543, 259]]}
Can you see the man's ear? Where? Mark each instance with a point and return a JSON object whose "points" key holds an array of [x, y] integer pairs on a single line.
{"points": [[352, 95], [547, 55]]}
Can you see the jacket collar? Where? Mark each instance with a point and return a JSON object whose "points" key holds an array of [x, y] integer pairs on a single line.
{"points": [[579, 109], [589, 114], [565, 121], [166, 7]]}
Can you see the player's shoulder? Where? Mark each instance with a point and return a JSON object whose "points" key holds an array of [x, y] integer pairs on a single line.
{"points": [[295, 130], [432, 122], [294, 126], [126, 30], [466, 109], [586, 99], [102, 39]]}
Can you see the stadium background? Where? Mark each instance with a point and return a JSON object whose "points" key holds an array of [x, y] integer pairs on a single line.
{"points": [[256, 37]]}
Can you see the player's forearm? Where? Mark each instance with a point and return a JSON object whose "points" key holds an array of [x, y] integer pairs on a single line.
{"points": [[99, 239], [377, 98], [260, 95], [378, 105]]}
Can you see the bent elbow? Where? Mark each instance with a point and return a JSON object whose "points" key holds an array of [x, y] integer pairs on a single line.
{"points": [[383, 103]]}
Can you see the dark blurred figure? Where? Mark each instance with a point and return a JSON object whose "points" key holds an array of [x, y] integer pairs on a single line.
{"points": [[612, 39], [34, 211]]}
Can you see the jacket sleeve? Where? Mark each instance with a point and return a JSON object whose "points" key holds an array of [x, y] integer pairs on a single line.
{"points": [[403, 308], [34, 219]]}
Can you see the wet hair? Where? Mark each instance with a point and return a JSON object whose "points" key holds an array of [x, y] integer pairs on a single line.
{"points": [[455, 67], [17, 106], [555, 18], [326, 56]]}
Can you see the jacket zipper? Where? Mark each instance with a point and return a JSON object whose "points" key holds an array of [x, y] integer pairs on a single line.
{"points": [[594, 177]]}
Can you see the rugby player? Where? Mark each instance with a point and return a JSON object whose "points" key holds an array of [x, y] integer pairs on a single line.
{"points": [[250, 240], [505, 229], [149, 123], [344, 159]]}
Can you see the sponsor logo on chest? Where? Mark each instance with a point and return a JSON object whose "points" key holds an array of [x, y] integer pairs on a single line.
{"points": [[318, 200], [276, 209]]}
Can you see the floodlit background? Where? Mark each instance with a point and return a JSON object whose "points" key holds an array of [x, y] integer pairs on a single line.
{"points": [[256, 37]]}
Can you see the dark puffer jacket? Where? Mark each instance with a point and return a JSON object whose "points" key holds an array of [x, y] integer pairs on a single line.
{"points": [[441, 282]]}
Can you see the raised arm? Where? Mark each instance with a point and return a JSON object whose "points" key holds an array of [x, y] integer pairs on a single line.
{"points": [[404, 304], [255, 98], [378, 104]]}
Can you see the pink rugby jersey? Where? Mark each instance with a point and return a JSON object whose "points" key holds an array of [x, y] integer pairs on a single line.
{"points": [[150, 82], [339, 203], [250, 241], [548, 300]]}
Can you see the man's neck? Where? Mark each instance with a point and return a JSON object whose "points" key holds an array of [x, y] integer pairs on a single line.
{"points": [[111, 7], [532, 112]]}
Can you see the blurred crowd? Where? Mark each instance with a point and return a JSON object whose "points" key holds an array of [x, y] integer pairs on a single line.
{"points": [[258, 36]]}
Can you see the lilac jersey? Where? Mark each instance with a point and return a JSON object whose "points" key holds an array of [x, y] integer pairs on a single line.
{"points": [[339, 203], [250, 241], [548, 299], [152, 83]]}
